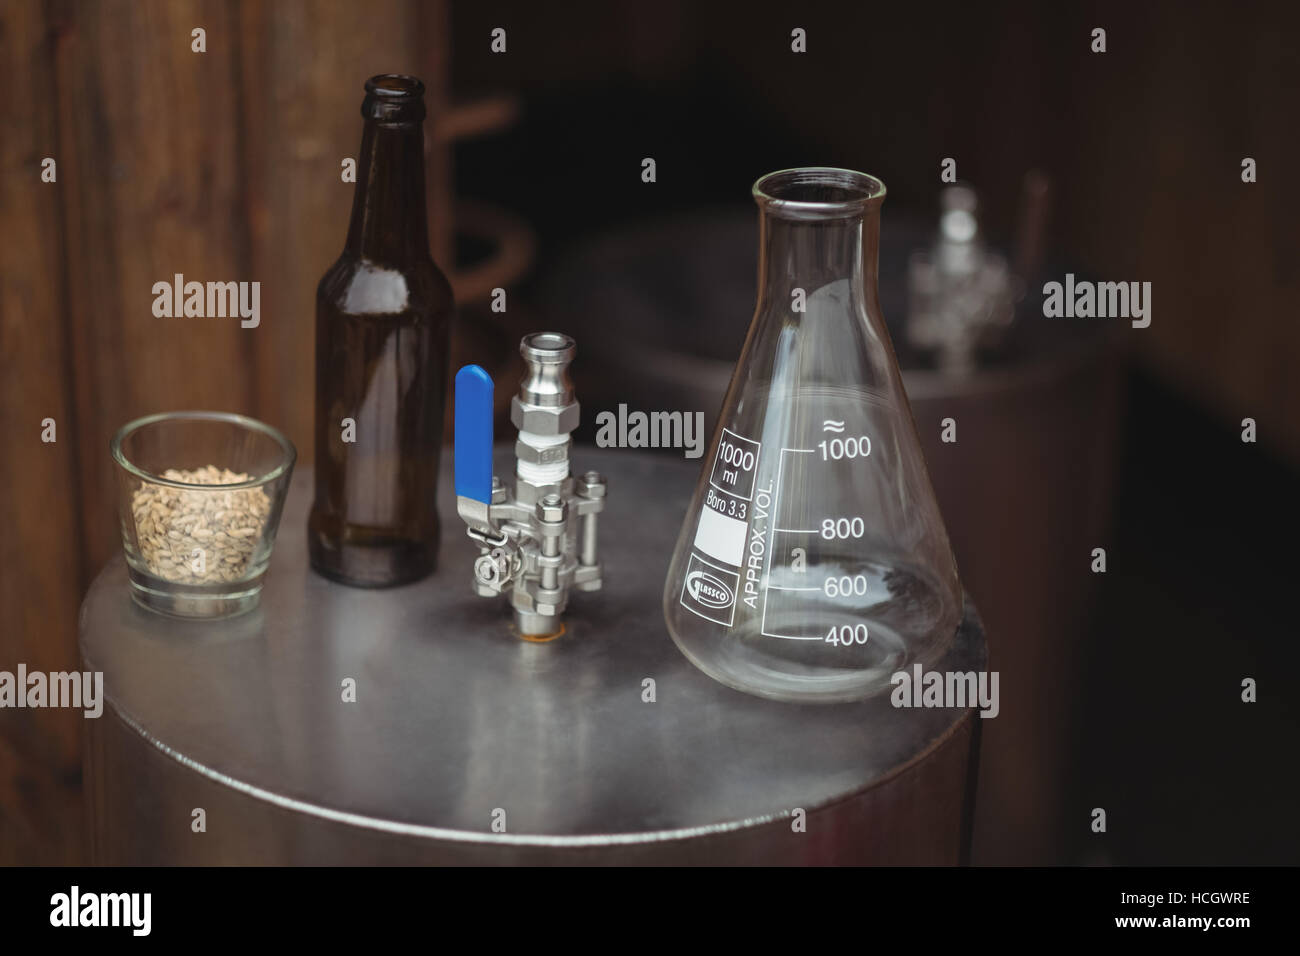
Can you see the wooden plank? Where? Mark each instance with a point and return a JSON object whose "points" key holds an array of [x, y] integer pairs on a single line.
{"points": [[41, 819], [303, 77], [432, 27], [151, 138], [1217, 251], [40, 573]]}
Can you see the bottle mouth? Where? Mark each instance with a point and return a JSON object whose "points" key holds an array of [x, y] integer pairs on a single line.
{"points": [[811, 193], [394, 98]]}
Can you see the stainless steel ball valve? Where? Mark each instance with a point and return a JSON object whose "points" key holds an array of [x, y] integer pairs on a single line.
{"points": [[538, 539]]}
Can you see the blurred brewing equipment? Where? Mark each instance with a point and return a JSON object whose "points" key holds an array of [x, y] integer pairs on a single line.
{"points": [[1025, 489], [960, 294]]}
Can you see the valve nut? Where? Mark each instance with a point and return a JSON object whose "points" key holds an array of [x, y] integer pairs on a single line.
{"points": [[541, 420], [543, 456], [591, 485], [552, 509], [549, 601]]}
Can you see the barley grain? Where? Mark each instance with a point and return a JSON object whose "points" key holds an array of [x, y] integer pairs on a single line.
{"points": [[176, 525]]}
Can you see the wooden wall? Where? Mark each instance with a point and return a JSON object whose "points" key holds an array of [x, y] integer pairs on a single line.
{"points": [[222, 165], [41, 568]]}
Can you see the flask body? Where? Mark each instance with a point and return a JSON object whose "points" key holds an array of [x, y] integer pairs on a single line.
{"points": [[813, 563]]}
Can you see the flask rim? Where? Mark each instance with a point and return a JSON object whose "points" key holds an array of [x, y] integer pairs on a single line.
{"points": [[811, 193]]}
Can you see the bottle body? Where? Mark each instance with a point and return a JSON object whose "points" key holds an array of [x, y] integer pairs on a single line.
{"points": [[383, 319]]}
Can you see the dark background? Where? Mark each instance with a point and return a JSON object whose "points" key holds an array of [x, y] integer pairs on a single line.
{"points": [[224, 165]]}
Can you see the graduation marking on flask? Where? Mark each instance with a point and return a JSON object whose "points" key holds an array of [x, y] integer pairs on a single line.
{"points": [[850, 450]]}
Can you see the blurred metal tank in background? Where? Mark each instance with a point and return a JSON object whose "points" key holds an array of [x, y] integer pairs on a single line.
{"points": [[1025, 489]]}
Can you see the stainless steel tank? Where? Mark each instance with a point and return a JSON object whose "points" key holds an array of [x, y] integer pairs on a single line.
{"points": [[468, 745]]}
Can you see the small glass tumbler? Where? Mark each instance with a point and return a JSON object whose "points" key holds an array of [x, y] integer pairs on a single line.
{"points": [[199, 501]]}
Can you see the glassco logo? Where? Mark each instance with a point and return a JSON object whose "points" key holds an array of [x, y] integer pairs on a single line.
{"points": [[708, 590]]}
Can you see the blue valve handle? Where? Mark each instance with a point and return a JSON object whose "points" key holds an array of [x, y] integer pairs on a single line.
{"points": [[473, 448]]}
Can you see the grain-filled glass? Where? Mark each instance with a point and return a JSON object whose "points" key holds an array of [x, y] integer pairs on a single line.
{"points": [[199, 501]]}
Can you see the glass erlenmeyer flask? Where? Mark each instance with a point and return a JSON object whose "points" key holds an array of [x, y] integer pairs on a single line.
{"points": [[813, 563]]}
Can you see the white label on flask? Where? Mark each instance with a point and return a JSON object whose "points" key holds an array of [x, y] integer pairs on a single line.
{"points": [[721, 537], [710, 590]]}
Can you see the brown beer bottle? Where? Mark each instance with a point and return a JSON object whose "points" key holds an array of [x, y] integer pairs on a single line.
{"points": [[383, 317]]}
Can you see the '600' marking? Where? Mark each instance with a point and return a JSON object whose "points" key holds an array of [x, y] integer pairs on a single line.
{"points": [[708, 590]]}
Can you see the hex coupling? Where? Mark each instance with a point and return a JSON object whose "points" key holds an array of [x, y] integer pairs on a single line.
{"points": [[539, 540]]}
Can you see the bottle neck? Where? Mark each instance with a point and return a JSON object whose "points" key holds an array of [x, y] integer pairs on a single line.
{"points": [[389, 224], [810, 254]]}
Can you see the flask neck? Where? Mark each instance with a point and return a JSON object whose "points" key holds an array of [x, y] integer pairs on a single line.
{"points": [[389, 223], [809, 254]]}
